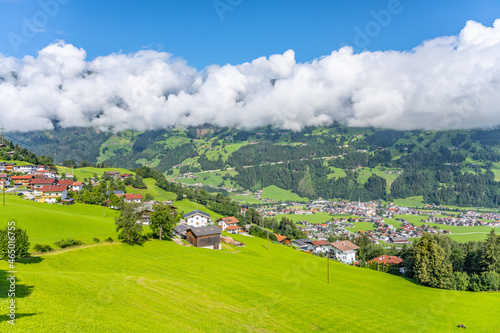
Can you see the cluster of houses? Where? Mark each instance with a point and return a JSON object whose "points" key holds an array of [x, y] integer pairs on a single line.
{"points": [[470, 219], [374, 212], [344, 251], [197, 229], [44, 185]]}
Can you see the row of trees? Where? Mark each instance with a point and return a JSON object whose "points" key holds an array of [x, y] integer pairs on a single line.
{"points": [[285, 226], [440, 262], [23, 154]]}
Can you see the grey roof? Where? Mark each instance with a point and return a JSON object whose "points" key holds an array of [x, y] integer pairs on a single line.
{"points": [[399, 238], [301, 242], [181, 228], [194, 212], [205, 231]]}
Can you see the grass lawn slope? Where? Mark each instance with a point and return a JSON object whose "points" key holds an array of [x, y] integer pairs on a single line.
{"points": [[164, 287], [47, 223], [278, 194]]}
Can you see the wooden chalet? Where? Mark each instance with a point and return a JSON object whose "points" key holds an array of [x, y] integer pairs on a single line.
{"points": [[283, 239], [206, 237]]}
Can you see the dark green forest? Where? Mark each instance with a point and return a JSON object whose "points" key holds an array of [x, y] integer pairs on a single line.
{"points": [[445, 167]]}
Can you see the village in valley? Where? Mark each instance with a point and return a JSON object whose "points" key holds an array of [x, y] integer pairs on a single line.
{"points": [[334, 237]]}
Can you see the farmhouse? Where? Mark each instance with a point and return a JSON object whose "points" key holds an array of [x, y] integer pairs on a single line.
{"points": [[25, 168], [301, 243], [181, 229], [22, 180], [76, 186], [345, 251], [399, 240], [283, 239], [234, 229], [67, 182], [38, 183], [7, 166], [321, 246], [390, 260], [131, 197], [226, 222], [205, 237], [197, 218], [45, 173], [51, 193], [114, 174]]}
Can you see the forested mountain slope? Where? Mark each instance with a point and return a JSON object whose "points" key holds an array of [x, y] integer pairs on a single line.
{"points": [[450, 167]]}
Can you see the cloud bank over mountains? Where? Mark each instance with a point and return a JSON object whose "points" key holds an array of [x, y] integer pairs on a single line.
{"points": [[446, 83]]}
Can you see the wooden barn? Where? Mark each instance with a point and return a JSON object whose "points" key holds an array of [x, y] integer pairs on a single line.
{"points": [[206, 237]]}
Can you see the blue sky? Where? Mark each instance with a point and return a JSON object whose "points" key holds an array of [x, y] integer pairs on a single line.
{"points": [[241, 30]]}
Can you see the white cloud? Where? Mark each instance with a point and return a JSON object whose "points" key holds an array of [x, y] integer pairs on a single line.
{"points": [[447, 82]]}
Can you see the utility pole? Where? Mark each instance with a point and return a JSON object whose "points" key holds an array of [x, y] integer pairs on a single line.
{"points": [[268, 239], [327, 269]]}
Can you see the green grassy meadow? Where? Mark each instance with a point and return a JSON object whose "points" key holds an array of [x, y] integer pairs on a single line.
{"points": [[187, 206], [165, 287], [47, 223], [245, 199], [278, 194], [162, 286], [313, 218], [460, 234], [157, 193], [89, 172]]}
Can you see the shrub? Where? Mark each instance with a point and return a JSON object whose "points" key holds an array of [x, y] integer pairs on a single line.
{"points": [[490, 280], [21, 243], [96, 240], [64, 243], [109, 239], [461, 281], [42, 248]]}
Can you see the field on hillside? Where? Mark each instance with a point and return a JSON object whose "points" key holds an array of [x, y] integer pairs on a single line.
{"points": [[15, 161], [245, 199], [162, 286], [157, 193], [460, 234], [312, 218], [187, 206], [410, 201], [82, 173], [47, 223], [279, 194]]}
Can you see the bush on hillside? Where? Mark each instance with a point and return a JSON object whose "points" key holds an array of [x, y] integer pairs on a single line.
{"points": [[42, 248], [109, 239], [64, 243], [96, 240]]}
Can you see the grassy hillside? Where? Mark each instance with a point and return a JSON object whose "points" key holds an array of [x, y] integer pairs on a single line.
{"points": [[157, 193], [460, 234], [82, 173], [162, 286], [187, 206], [48, 223], [278, 194]]}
